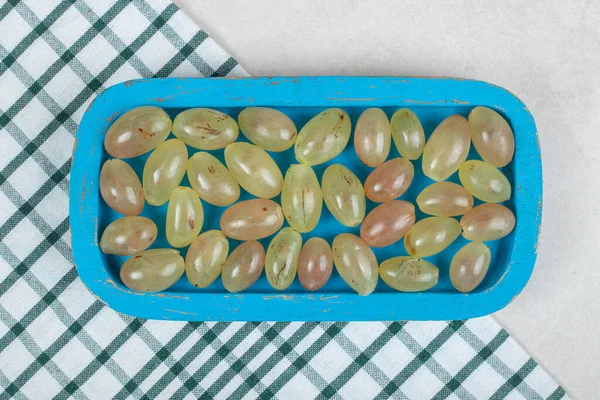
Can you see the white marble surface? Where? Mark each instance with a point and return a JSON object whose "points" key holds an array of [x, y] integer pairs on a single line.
{"points": [[547, 53]]}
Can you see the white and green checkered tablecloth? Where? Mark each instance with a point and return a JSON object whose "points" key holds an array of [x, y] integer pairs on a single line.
{"points": [[58, 341]]}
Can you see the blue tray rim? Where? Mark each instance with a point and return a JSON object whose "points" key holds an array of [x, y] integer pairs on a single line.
{"points": [[330, 91]]}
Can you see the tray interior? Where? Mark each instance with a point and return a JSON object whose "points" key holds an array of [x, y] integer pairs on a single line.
{"points": [[328, 226]]}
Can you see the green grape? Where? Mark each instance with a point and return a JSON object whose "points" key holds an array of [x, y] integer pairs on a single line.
{"points": [[128, 236], [185, 217], [254, 169], [315, 264], [281, 261], [268, 128], [407, 133], [445, 199], [344, 195], [212, 180], [431, 235], [323, 137], [164, 171], [243, 266], [152, 270], [407, 274], [252, 219], [487, 222], [492, 137], [301, 198], [205, 128], [484, 181], [447, 148], [205, 258], [121, 188], [137, 132], [355, 262], [387, 223], [372, 137], [469, 266], [390, 180]]}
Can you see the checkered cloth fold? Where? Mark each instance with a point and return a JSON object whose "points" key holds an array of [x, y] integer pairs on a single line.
{"points": [[58, 341]]}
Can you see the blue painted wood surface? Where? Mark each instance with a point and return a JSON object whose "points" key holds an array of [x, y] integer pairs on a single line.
{"points": [[432, 99]]}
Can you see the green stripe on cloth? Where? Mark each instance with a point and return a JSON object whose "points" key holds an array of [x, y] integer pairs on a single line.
{"points": [[58, 341]]}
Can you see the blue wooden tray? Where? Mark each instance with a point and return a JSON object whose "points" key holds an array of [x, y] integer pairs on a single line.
{"points": [[432, 99]]}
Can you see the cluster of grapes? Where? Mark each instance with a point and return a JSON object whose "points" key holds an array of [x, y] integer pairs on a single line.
{"points": [[324, 137]]}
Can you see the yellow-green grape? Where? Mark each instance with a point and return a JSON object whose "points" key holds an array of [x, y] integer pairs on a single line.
{"points": [[447, 148], [445, 199], [484, 181], [323, 137], [254, 169], [121, 188], [431, 235], [164, 171], [344, 195], [492, 137], [469, 266], [205, 258], [487, 222], [407, 274], [407, 133], [301, 198], [137, 132], [252, 219], [212, 180], [185, 217], [128, 236], [243, 266], [388, 223], [268, 128], [390, 180], [281, 262], [315, 264], [355, 262], [153, 270], [205, 128], [372, 137]]}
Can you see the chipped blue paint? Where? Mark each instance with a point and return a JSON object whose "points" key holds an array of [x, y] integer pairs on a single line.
{"points": [[431, 98]]}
